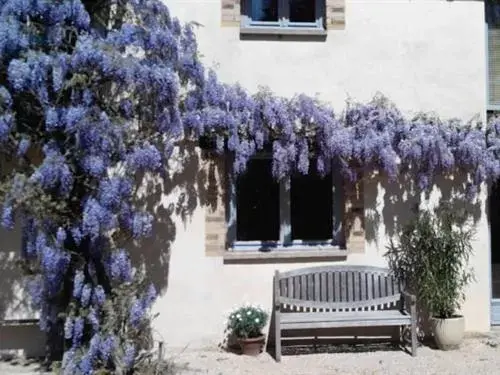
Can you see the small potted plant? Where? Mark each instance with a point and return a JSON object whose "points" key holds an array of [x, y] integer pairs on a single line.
{"points": [[246, 324], [431, 260]]}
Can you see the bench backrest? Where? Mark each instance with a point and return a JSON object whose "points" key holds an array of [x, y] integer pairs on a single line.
{"points": [[336, 287]]}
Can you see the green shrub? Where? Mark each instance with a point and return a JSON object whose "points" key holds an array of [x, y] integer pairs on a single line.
{"points": [[431, 260], [247, 321]]}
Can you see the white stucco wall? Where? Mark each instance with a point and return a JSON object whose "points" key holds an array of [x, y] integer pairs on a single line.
{"points": [[424, 55]]}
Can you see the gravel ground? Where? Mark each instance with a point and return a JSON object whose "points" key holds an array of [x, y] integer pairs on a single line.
{"points": [[7, 368], [477, 356]]}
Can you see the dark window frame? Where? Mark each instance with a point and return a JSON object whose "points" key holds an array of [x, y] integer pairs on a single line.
{"points": [[285, 241]]}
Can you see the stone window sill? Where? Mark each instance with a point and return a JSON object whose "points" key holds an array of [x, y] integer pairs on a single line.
{"points": [[297, 255], [248, 31]]}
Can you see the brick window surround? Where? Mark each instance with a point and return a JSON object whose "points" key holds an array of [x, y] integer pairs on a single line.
{"points": [[215, 216], [335, 13]]}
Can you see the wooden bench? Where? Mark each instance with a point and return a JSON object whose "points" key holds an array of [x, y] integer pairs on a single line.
{"points": [[341, 296]]}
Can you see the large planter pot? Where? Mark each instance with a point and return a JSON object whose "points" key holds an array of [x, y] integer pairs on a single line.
{"points": [[448, 333], [252, 346]]}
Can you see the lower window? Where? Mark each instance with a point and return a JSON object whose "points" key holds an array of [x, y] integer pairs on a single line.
{"points": [[305, 210]]}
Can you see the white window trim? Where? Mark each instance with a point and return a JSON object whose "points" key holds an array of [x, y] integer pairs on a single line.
{"points": [[285, 243]]}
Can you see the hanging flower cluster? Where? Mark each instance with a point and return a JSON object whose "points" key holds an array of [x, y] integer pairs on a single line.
{"points": [[371, 136], [85, 112]]}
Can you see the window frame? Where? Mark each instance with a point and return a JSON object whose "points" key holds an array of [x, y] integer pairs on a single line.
{"points": [[285, 242], [490, 107], [283, 25]]}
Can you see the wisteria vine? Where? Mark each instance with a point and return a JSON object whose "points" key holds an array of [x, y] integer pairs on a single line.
{"points": [[363, 138], [85, 112]]}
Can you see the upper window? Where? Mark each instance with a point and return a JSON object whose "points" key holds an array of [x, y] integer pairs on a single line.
{"points": [[493, 56], [305, 210], [290, 16]]}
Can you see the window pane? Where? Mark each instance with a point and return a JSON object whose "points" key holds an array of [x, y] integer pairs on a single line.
{"points": [[302, 10], [493, 55], [257, 211], [311, 207], [264, 10], [494, 66]]}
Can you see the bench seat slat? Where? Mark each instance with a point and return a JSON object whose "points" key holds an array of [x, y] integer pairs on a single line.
{"points": [[344, 319], [323, 287], [338, 305], [336, 268]]}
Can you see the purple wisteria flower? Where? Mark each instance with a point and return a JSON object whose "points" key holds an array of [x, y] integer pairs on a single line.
{"points": [[99, 296], [7, 216], [68, 363], [142, 224], [23, 146], [107, 347], [137, 313], [119, 266], [68, 328], [54, 262], [78, 282], [150, 296], [61, 236], [54, 172], [93, 319], [144, 158], [86, 294], [96, 218], [129, 357], [6, 122], [78, 327]]}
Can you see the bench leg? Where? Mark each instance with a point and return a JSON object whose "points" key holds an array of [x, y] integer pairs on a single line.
{"points": [[277, 316], [413, 338], [277, 344]]}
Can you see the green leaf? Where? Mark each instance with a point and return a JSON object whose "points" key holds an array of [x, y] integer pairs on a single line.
{"points": [[431, 259]]}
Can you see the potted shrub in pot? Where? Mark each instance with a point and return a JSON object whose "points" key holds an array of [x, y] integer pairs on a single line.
{"points": [[246, 324], [431, 260]]}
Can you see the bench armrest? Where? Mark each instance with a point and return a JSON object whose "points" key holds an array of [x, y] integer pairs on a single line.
{"points": [[276, 290], [409, 304], [411, 297]]}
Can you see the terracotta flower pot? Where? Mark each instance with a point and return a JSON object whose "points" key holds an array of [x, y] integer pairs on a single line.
{"points": [[252, 346]]}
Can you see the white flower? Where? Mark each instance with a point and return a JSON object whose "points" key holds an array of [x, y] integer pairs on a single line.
{"points": [[238, 316], [249, 312], [257, 320]]}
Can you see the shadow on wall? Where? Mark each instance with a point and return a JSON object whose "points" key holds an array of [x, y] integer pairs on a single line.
{"points": [[176, 195], [182, 188], [402, 198]]}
